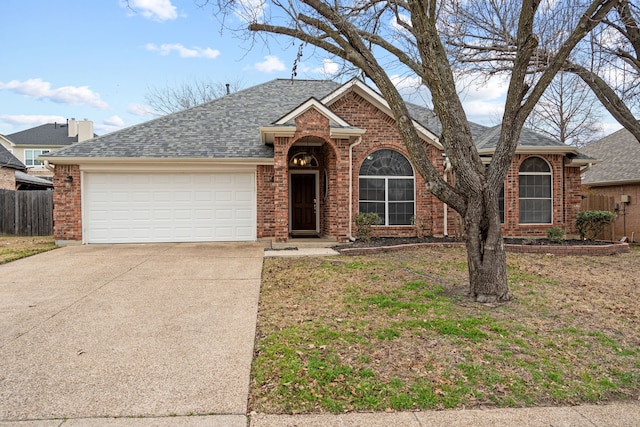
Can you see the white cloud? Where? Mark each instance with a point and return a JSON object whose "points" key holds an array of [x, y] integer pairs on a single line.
{"points": [[406, 83], [140, 110], [472, 88], [39, 89], [183, 52], [250, 10], [328, 68], [484, 112], [114, 121], [157, 10], [270, 64], [30, 120]]}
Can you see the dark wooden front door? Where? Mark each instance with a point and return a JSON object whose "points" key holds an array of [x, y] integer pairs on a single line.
{"points": [[303, 200]]}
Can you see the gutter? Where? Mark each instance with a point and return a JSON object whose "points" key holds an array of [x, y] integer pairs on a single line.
{"points": [[358, 141]]}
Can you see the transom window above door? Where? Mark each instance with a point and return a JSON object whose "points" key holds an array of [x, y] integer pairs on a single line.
{"points": [[387, 187]]}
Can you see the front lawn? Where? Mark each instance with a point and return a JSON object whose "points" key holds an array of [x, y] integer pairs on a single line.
{"points": [[396, 331], [16, 247]]}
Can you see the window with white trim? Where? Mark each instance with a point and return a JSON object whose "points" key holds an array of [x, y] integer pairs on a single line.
{"points": [[31, 157], [536, 200], [387, 187]]}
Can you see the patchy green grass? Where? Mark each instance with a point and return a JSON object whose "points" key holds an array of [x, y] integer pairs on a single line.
{"points": [[397, 331], [16, 247]]}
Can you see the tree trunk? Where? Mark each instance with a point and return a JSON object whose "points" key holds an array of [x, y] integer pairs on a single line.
{"points": [[485, 251]]}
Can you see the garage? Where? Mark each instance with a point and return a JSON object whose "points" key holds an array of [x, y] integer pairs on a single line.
{"points": [[168, 207]]}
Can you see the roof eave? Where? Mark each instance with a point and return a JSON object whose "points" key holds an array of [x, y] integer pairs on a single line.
{"points": [[529, 149], [149, 161], [615, 182]]}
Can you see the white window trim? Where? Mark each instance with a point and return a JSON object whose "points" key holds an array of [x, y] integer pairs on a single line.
{"points": [[34, 156], [549, 174], [386, 196]]}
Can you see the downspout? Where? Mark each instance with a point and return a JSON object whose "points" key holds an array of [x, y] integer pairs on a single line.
{"points": [[447, 168], [49, 166], [358, 141]]}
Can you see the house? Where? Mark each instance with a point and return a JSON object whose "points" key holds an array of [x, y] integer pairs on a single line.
{"points": [[29, 144], [14, 177], [617, 175], [287, 159]]}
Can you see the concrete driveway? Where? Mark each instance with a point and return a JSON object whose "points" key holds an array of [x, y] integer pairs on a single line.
{"points": [[128, 331]]}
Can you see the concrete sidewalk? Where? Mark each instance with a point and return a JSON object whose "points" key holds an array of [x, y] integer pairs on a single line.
{"points": [[614, 415]]}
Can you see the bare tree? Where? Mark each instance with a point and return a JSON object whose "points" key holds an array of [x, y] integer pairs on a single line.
{"points": [[567, 112], [373, 35], [607, 60], [169, 99]]}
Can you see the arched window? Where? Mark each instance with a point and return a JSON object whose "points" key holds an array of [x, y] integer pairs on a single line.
{"points": [[535, 192], [387, 187]]}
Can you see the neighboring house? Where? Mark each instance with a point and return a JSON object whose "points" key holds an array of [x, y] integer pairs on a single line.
{"points": [[286, 159], [29, 144], [13, 174], [617, 174]]}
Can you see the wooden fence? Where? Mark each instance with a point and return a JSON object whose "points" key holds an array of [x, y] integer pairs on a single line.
{"points": [[600, 202], [26, 213]]}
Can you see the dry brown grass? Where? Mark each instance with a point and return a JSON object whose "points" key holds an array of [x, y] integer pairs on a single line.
{"points": [[16, 247], [397, 331]]}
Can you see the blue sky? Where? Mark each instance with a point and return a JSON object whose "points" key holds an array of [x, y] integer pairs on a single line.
{"points": [[97, 59]]}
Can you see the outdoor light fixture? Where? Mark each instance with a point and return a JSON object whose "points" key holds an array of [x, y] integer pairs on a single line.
{"points": [[68, 181]]}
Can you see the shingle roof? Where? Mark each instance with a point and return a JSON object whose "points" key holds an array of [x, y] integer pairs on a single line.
{"points": [[33, 180], [528, 138], [228, 127], [47, 134], [619, 155], [9, 160]]}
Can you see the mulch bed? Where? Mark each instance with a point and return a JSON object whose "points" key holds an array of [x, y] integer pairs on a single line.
{"points": [[395, 241]]}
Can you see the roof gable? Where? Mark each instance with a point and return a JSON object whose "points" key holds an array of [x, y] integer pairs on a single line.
{"points": [[9, 160], [379, 102], [334, 119]]}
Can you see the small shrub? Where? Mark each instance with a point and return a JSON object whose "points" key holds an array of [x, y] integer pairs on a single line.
{"points": [[364, 224], [555, 234], [591, 223], [421, 226]]}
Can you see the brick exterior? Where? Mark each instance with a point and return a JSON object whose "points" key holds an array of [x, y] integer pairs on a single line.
{"points": [[67, 204], [565, 191], [313, 136], [7, 179], [265, 208]]}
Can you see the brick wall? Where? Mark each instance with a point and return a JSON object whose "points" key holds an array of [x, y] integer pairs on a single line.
{"points": [[565, 191], [7, 179], [67, 204], [381, 132], [266, 226]]}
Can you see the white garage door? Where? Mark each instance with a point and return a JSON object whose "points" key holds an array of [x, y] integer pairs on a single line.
{"points": [[169, 207]]}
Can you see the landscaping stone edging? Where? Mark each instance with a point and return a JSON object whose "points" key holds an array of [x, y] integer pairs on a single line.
{"points": [[591, 250]]}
